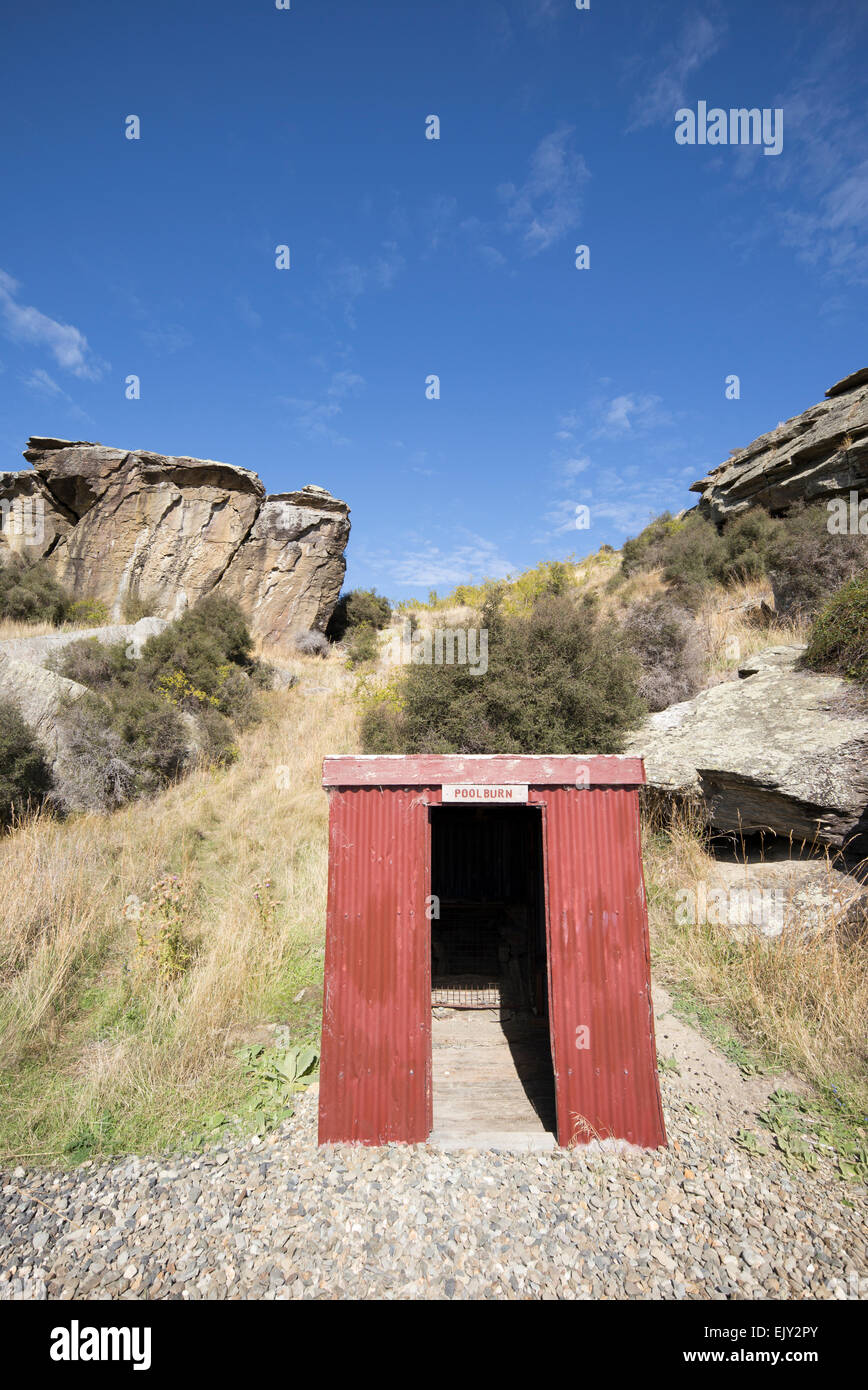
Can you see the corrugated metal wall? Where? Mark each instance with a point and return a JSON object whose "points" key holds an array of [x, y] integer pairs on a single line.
{"points": [[375, 1083], [376, 1055], [599, 969]]}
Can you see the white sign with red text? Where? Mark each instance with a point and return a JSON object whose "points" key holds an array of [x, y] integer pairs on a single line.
{"points": [[478, 794]]}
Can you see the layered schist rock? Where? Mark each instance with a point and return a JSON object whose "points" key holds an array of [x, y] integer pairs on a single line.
{"points": [[819, 454], [31, 520], [285, 571], [782, 750], [168, 530]]}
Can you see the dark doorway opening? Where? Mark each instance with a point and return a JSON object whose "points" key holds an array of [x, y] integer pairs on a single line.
{"points": [[489, 978]]}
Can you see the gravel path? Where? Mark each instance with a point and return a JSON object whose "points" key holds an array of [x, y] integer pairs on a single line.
{"points": [[278, 1218]]}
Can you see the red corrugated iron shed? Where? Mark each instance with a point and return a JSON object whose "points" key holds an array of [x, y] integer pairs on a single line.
{"points": [[375, 1084]]}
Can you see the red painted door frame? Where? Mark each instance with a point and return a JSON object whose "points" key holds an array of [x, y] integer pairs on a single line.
{"points": [[377, 1060]]}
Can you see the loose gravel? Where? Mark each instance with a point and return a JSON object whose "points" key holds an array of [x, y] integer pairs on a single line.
{"points": [[278, 1218]]}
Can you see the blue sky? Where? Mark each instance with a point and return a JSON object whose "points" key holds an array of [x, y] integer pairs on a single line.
{"points": [[411, 257]]}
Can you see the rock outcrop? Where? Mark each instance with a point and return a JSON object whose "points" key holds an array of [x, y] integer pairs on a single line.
{"points": [[38, 651], [284, 573], [31, 520], [780, 750], [40, 696], [819, 454], [166, 530]]}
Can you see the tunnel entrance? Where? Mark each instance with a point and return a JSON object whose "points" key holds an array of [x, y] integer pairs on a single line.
{"points": [[492, 1063], [488, 943]]}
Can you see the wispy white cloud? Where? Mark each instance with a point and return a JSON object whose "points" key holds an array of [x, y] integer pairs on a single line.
{"points": [[572, 467], [315, 418], [624, 513], [345, 383], [699, 39], [40, 380], [43, 383], [815, 200], [548, 204], [348, 280], [622, 494], [460, 558], [628, 414], [24, 323], [820, 198]]}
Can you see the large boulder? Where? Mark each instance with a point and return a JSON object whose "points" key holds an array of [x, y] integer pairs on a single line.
{"points": [[288, 573], [31, 519], [155, 528], [780, 750], [166, 530], [39, 650], [40, 696], [819, 454]]}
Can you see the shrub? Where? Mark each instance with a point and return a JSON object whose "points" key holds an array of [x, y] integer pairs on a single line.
{"points": [[362, 644], [665, 639], [24, 775], [87, 612], [839, 637], [748, 540], [808, 563], [804, 562], [264, 676], [28, 593], [646, 551], [311, 643], [357, 608], [219, 743], [558, 681], [93, 663], [204, 658], [382, 730], [118, 746], [548, 578], [694, 556], [144, 722], [135, 608]]}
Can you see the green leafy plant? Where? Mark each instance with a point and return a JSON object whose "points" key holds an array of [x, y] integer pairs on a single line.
{"points": [[91, 1136], [144, 723], [278, 1073], [747, 1140], [362, 645], [808, 1128], [136, 608]]}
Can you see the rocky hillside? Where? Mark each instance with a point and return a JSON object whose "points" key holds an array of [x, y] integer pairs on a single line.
{"points": [[116, 525], [779, 750], [819, 454]]}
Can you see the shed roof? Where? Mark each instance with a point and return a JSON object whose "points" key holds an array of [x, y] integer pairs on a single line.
{"points": [[536, 770]]}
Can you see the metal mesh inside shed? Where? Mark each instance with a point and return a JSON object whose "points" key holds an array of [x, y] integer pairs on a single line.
{"points": [[487, 944]]}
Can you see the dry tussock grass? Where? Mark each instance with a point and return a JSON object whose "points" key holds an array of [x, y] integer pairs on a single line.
{"points": [[729, 635], [82, 1029], [802, 999], [12, 627]]}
